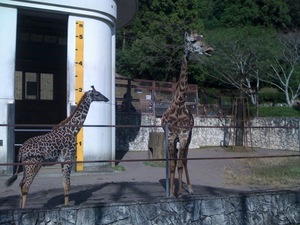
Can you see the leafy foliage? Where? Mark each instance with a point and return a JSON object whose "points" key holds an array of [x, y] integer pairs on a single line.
{"points": [[157, 47], [285, 73], [239, 13], [273, 98], [294, 8], [240, 57], [276, 111], [242, 32]]}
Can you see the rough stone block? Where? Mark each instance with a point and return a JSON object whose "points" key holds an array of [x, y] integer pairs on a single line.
{"points": [[68, 216], [6, 217], [86, 216], [110, 215], [212, 207], [29, 218], [156, 145], [151, 211]]}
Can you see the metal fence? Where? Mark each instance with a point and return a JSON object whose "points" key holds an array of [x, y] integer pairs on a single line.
{"points": [[166, 159], [150, 96]]}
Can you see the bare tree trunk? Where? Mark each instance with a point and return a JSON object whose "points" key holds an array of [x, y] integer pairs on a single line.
{"points": [[239, 136]]}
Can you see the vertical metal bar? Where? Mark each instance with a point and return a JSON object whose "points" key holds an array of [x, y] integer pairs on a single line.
{"points": [[153, 96], [10, 137], [167, 162], [299, 134]]}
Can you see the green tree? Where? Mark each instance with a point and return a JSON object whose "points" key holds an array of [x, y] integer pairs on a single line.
{"points": [[155, 41], [285, 69], [238, 13], [294, 7], [209, 12], [274, 13], [240, 58], [151, 47]]}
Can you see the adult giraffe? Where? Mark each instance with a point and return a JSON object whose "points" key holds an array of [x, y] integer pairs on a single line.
{"points": [[178, 119], [57, 145]]}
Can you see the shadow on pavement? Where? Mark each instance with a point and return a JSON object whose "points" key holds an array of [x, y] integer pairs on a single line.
{"points": [[107, 193]]}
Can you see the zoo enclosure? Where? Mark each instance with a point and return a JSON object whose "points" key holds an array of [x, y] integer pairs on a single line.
{"points": [[166, 159], [280, 134], [153, 98]]}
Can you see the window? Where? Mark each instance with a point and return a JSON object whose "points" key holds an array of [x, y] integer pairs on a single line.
{"points": [[18, 85], [33, 86], [46, 86]]}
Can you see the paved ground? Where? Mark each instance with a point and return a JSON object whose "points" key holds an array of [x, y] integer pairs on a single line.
{"points": [[137, 183]]}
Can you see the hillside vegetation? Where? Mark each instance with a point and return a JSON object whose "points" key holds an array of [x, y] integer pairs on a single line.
{"points": [[256, 45]]}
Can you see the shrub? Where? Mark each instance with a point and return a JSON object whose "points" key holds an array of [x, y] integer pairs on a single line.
{"points": [[277, 97], [276, 111]]}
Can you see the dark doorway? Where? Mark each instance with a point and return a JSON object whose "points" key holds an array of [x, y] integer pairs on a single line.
{"points": [[41, 73]]}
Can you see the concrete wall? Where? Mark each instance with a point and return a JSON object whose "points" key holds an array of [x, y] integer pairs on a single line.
{"points": [[249, 209], [7, 71], [211, 132]]}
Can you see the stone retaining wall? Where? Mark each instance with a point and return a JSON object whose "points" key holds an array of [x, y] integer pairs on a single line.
{"points": [[251, 209], [211, 132]]}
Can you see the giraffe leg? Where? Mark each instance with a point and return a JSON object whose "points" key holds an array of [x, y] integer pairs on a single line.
{"points": [[189, 185], [172, 179], [180, 170], [180, 179], [66, 191], [66, 170], [182, 164], [22, 201], [29, 174], [188, 182]]}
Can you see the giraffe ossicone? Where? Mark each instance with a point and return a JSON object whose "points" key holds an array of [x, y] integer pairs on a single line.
{"points": [[58, 145]]}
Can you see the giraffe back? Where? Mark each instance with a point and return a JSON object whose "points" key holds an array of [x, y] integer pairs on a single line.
{"points": [[56, 145]]}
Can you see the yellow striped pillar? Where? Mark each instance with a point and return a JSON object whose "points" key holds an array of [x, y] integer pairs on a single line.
{"points": [[79, 78]]}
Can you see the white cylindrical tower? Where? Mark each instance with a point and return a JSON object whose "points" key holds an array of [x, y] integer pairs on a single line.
{"points": [[7, 70], [98, 70]]}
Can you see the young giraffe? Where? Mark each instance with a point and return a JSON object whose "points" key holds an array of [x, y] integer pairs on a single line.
{"points": [[179, 119], [57, 145]]}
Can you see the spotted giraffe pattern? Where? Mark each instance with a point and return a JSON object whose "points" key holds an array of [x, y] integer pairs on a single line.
{"points": [[178, 119], [56, 146]]}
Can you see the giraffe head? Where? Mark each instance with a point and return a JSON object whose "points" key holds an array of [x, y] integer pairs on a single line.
{"points": [[97, 96], [194, 43]]}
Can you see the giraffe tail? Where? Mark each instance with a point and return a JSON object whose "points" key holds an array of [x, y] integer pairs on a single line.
{"points": [[14, 177], [11, 180]]}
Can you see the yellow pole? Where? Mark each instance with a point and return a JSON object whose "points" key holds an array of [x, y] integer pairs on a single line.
{"points": [[79, 73]]}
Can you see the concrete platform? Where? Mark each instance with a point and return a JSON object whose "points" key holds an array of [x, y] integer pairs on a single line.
{"points": [[137, 183]]}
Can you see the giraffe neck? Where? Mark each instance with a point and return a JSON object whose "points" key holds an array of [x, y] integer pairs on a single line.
{"points": [[75, 121], [182, 84]]}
